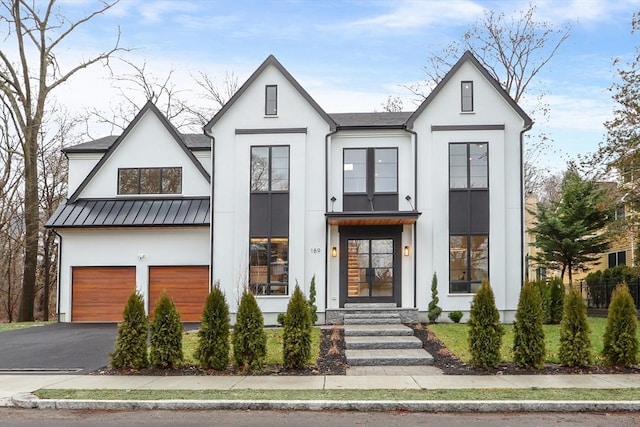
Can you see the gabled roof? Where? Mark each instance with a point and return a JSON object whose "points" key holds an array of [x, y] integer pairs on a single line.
{"points": [[271, 60], [394, 120], [149, 106], [85, 213], [468, 57], [193, 141]]}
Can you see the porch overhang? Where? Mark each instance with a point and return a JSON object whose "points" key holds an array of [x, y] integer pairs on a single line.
{"points": [[373, 218]]}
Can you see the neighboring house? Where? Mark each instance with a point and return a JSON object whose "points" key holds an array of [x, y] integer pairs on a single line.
{"points": [[371, 204]]}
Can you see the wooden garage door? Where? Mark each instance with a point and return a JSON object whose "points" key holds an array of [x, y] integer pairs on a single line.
{"points": [[187, 285], [99, 294]]}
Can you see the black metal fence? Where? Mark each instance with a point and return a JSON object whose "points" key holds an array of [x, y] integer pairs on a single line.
{"points": [[598, 295]]}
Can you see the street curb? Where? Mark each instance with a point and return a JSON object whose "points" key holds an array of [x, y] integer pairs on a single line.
{"points": [[29, 401]]}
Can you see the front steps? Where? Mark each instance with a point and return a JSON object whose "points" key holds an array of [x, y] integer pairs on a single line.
{"points": [[375, 336]]}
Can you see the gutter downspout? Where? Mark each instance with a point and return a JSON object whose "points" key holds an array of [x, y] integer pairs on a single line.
{"points": [[326, 209], [59, 273], [213, 175], [415, 208], [526, 128]]}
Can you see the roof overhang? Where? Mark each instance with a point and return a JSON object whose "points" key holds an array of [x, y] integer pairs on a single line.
{"points": [[373, 218]]}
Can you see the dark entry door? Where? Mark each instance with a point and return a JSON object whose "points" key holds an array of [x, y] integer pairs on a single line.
{"points": [[370, 264]]}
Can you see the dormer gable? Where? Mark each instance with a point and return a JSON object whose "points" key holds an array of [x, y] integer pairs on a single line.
{"points": [[149, 118]]}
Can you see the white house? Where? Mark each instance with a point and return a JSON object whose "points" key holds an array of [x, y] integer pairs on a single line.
{"points": [[370, 204]]}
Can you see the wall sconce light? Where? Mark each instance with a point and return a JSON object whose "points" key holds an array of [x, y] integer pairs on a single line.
{"points": [[334, 252], [406, 250]]}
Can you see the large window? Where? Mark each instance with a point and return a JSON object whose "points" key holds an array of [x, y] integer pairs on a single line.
{"points": [[466, 96], [269, 169], [468, 165], [269, 265], [271, 100], [468, 262], [370, 179], [150, 181]]}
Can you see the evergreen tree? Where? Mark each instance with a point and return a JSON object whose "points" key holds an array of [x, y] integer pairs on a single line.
{"points": [[554, 300], [131, 343], [569, 232], [485, 330], [312, 301], [296, 345], [434, 310], [620, 336], [213, 335], [249, 338], [528, 340], [166, 334], [575, 346]]}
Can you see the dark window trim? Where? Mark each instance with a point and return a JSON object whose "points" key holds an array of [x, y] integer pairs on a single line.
{"points": [[266, 100], [268, 282], [139, 175], [269, 190], [462, 96], [370, 170], [468, 187], [468, 263]]}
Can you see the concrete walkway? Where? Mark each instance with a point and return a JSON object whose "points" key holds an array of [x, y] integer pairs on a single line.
{"points": [[16, 389]]}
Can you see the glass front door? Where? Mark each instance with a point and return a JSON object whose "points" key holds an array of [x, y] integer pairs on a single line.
{"points": [[369, 268]]}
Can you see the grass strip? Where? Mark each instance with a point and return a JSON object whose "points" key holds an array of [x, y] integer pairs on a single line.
{"points": [[18, 325], [394, 395]]}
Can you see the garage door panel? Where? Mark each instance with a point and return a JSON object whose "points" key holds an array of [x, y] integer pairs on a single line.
{"points": [[188, 286], [99, 294]]}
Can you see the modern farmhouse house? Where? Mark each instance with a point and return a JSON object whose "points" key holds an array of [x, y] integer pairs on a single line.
{"points": [[278, 192]]}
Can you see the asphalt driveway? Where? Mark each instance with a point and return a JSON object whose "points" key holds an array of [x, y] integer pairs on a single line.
{"points": [[57, 348]]}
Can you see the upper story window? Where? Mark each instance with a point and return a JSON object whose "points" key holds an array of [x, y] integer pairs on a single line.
{"points": [[370, 170], [467, 96], [150, 181], [270, 168], [271, 100], [468, 165]]}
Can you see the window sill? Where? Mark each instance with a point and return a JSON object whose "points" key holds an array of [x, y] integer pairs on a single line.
{"points": [[150, 196], [270, 116], [467, 112]]}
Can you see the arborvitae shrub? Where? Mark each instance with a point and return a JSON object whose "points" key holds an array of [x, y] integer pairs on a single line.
{"points": [[249, 338], [296, 344], [455, 316], [528, 340], [280, 318], [166, 334], [575, 346], [130, 350], [485, 330], [313, 309], [213, 335], [554, 300], [434, 310], [620, 336]]}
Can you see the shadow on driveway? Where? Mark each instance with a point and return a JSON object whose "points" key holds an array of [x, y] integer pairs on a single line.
{"points": [[57, 347]]}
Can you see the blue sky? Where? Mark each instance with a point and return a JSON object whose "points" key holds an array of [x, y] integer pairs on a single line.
{"points": [[351, 55]]}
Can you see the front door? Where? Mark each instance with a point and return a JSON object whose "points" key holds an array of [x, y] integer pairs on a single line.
{"points": [[370, 264]]}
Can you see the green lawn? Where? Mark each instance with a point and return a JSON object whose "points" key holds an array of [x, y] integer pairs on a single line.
{"points": [[454, 337], [18, 325], [274, 346]]}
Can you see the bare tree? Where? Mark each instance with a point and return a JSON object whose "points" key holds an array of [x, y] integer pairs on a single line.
{"points": [[29, 73]]}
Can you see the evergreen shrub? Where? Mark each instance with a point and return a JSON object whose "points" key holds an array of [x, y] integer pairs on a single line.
{"points": [[620, 335], [213, 336], [312, 301], [249, 338], [166, 334], [528, 340], [296, 344], [575, 346], [455, 316], [434, 310], [130, 350], [554, 299], [485, 330]]}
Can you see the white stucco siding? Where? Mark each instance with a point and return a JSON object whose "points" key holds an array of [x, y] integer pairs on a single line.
{"points": [[204, 157], [148, 144], [141, 248], [80, 164]]}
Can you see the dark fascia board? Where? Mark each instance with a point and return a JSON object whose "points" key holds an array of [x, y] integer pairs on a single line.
{"points": [[468, 56], [371, 127], [271, 60], [440, 128], [264, 131], [149, 106]]}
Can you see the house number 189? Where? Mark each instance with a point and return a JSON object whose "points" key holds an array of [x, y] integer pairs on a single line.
{"points": [[315, 250]]}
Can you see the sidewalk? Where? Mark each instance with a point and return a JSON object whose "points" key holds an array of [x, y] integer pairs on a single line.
{"points": [[16, 389]]}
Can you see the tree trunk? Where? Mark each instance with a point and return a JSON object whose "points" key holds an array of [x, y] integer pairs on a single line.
{"points": [[47, 276]]}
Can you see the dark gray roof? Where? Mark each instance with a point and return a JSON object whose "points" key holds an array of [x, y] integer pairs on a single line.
{"points": [[370, 120], [131, 213], [193, 141]]}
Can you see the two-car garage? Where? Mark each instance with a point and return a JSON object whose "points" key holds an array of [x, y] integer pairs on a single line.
{"points": [[99, 293]]}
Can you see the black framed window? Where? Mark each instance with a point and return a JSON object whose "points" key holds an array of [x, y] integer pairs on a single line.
{"points": [[150, 180], [271, 100], [270, 168], [269, 265], [370, 179], [468, 165], [468, 262], [466, 90], [617, 258]]}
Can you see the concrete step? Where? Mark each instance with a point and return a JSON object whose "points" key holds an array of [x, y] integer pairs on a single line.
{"points": [[367, 306], [377, 330], [371, 318], [378, 342], [388, 357]]}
